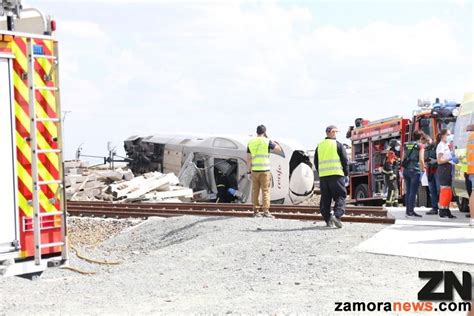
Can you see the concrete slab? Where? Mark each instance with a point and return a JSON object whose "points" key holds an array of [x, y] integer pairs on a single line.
{"points": [[428, 238], [428, 220]]}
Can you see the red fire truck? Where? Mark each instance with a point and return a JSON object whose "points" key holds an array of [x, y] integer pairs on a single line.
{"points": [[370, 141], [32, 216]]}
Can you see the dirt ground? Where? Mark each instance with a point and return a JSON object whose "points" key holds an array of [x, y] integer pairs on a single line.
{"points": [[222, 265]]}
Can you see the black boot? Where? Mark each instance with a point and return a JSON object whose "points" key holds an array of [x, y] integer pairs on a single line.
{"points": [[445, 214], [432, 212], [450, 215], [412, 214]]}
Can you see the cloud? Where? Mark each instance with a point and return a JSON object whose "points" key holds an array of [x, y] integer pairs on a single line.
{"points": [[227, 66], [460, 3], [86, 30], [150, 1], [427, 42]]}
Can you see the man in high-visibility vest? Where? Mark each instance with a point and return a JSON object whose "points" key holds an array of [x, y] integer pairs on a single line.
{"points": [[258, 160], [330, 160], [470, 169]]}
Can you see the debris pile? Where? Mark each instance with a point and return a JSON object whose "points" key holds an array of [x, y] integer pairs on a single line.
{"points": [[84, 183]]}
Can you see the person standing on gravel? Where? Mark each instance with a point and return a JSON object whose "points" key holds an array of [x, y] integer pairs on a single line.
{"points": [[413, 166], [258, 160], [390, 172], [446, 160], [330, 160], [431, 162]]}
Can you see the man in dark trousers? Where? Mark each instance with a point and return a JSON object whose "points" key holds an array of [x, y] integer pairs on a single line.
{"points": [[330, 160]]}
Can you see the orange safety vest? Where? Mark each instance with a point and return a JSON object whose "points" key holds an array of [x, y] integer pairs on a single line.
{"points": [[470, 153]]}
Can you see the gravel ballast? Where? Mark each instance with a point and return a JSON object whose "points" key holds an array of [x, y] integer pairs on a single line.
{"points": [[223, 265], [91, 232]]}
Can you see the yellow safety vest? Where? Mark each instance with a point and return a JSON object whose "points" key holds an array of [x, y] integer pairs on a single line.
{"points": [[463, 164], [328, 159], [258, 147], [470, 153]]}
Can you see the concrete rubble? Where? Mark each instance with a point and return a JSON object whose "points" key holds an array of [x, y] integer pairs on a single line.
{"points": [[84, 183]]}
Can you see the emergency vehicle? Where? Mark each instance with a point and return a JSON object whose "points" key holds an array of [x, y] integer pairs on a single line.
{"points": [[461, 181], [370, 142], [32, 214]]}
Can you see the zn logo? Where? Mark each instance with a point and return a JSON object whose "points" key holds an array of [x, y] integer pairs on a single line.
{"points": [[451, 283]]}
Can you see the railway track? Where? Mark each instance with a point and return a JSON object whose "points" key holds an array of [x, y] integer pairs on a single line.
{"points": [[144, 210]]}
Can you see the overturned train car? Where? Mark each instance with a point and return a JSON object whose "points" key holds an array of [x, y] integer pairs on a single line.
{"points": [[216, 169]]}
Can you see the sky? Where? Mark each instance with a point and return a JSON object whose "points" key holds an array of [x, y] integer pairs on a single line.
{"points": [[224, 67]]}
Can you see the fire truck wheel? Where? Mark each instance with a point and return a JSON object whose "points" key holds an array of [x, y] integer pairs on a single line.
{"points": [[463, 204], [361, 191]]}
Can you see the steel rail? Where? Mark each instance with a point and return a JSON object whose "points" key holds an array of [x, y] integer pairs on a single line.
{"points": [[224, 205], [145, 210], [229, 206]]}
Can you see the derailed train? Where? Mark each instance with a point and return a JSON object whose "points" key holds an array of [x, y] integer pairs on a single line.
{"points": [[215, 166]]}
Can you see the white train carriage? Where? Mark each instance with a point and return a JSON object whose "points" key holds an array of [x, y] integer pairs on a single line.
{"points": [[214, 164]]}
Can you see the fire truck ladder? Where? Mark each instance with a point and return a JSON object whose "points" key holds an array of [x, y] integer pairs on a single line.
{"points": [[35, 52]]}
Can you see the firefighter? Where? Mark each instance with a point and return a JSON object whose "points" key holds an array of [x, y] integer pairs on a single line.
{"points": [[330, 160], [413, 166], [432, 167], [390, 171], [445, 159], [225, 180], [258, 160]]}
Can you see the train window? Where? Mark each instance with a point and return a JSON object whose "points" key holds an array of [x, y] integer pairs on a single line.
{"points": [[224, 143]]}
